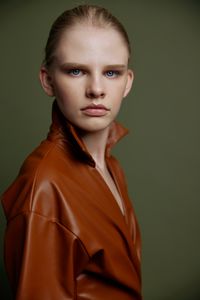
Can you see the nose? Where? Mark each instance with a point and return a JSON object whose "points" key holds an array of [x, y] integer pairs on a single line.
{"points": [[95, 88]]}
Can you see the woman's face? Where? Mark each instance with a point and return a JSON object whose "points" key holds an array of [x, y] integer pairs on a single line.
{"points": [[89, 76]]}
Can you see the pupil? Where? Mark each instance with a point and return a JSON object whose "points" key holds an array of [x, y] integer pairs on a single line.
{"points": [[76, 72]]}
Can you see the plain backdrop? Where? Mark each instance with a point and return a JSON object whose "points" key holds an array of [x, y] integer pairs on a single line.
{"points": [[161, 154]]}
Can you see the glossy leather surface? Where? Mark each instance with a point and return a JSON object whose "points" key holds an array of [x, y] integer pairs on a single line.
{"points": [[66, 237]]}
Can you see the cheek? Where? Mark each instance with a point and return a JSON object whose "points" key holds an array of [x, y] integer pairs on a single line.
{"points": [[119, 94], [61, 88], [117, 104], [120, 89], [64, 92]]}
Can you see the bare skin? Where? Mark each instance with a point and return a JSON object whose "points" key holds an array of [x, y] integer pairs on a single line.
{"points": [[97, 151], [111, 184]]}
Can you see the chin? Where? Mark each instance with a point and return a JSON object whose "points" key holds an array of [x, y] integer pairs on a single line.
{"points": [[93, 127]]}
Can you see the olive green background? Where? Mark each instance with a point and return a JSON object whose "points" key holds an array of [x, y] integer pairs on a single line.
{"points": [[161, 154]]}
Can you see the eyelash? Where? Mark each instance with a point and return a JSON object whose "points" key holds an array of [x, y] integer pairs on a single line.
{"points": [[115, 73], [71, 72]]}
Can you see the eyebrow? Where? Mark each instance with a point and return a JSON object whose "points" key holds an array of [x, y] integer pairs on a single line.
{"points": [[83, 66]]}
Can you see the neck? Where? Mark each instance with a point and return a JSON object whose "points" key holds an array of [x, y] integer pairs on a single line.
{"points": [[95, 143]]}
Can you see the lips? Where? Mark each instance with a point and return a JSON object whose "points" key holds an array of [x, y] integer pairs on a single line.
{"points": [[95, 110]]}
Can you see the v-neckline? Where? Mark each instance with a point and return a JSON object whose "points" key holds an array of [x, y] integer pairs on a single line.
{"points": [[122, 209]]}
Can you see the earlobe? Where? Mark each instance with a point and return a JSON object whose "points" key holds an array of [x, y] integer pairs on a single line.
{"points": [[46, 82], [129, 83]]}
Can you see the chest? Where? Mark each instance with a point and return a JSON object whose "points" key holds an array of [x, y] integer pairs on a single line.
{"points": [[113, 187]]}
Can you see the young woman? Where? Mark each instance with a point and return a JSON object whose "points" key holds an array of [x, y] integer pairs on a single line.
{"points": [[72, 232]]}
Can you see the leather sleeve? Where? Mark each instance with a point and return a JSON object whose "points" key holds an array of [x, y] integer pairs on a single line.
{"points": [[43, 258]]}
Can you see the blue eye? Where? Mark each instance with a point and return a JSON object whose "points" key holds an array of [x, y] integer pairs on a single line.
{"points": [[74, 72], [112, 73]]}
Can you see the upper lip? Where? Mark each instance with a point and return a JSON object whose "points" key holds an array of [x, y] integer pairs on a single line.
{"points": [[95, 106]]}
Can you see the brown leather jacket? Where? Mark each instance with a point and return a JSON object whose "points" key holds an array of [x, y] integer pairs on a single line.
{"points": [[66, 237]]}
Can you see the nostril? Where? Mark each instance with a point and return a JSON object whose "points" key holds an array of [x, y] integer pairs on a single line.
{"points": [[95, 94]]}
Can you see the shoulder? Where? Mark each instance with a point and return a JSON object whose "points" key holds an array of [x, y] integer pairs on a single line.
{"points": [[35, 186], [43, 157]]}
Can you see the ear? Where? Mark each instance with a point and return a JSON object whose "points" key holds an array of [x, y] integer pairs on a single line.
{"points": [[130, 78], [46, 81]]}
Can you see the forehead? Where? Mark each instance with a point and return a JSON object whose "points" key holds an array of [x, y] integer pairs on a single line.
{"points": [[90, 44]]}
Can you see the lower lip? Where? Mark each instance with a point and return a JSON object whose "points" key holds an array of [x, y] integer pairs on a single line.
{"points": [[95, 112]]}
